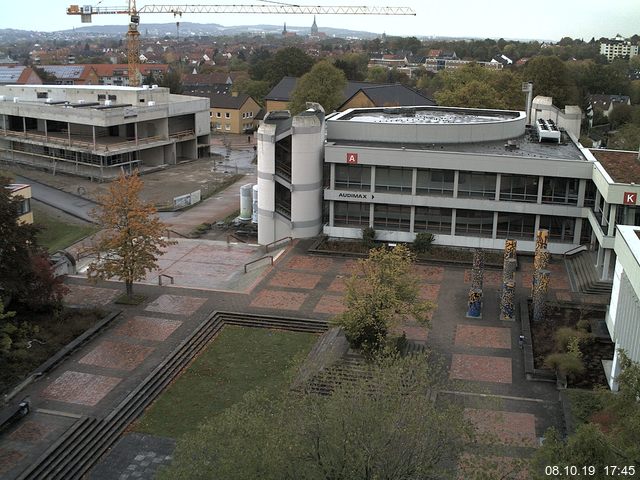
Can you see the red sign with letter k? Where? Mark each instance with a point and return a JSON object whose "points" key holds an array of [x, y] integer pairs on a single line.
{"points": [[630, 198]]}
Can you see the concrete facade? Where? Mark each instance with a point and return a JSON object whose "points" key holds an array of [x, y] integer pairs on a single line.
{"points": [[623, 314], [94, 131], [472, 177], [22, 193]]}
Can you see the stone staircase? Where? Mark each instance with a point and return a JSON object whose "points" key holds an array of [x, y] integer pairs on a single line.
{"points": [[583, 274]]}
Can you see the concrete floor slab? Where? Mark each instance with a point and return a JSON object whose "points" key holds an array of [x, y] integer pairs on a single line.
{"points": [[148, 328], [176, 304]]}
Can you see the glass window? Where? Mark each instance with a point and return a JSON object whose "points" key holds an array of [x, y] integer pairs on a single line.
{"points": [[519, 188], [435, 182], [590, 194], [218, 115], [392, 217], [474, 222], [348, 214], [560, 190], [516, 225], [560, 228], [477, 184], [227, 127], [352, 177], [394, 179], [432, 219], [24, 206], [227, 115]]}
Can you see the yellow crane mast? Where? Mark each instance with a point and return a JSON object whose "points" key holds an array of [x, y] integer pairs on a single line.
{"points": [[86, 13]]}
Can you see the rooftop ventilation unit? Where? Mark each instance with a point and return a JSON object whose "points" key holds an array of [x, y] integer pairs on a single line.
{"points": [[547, 131], [107, 103]]}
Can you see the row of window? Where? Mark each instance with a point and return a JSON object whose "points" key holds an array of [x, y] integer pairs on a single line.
{"points": [[517, 188], [228, 115], [477, 223]]}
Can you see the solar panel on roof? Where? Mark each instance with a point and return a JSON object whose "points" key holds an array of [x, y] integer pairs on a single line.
{"points": [[10, 74], [64, 71]]}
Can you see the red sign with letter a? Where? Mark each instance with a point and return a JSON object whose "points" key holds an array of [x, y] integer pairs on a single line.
{"points": [[630, 198], [352, 158]]}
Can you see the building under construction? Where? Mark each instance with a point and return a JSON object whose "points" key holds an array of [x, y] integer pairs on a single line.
{"points": [[95, 131]]}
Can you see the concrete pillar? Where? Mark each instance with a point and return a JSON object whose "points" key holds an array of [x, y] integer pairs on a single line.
{"points": [[613, 209], [69, 132], [371, 212], [412, 218], [475, 303], [24, 126], [135, 133], [46, 131], [414, 182], [577, 229], [540, 295], [93, 132], [494, 230], [540, 185], [606, 264], [373, 179], [456, 179], [507, 304], [332, 177], [605, 214], [453, 221], [615, 370], [599, 257], [332, 210], [582, 188], [498, 178]]}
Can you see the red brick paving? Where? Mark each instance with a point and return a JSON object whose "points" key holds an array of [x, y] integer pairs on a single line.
{"points": [[306, 281], [491, 278], [339, 284], [481, 368], [429, 292], [485, 337], [176, 304], [81, 388], [9, 458], [332, 304], [87, 295], [148, 328], [429, 273], [117, 355], [279, 300], [31, 431], [348, 267], [412, 330], [507, 428], [317, 264]]}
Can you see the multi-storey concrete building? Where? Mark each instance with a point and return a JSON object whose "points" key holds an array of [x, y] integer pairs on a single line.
{"points": [[95, 131], [618, 47], [472, 177]]}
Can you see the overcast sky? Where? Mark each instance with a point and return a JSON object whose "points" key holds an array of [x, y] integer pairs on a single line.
{"points": [[541, 19]]}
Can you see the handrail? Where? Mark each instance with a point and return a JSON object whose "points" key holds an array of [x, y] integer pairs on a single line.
{"points": [[266, 247], [164, 275], [231, 235], [574, 250], [169, 231], [270, 257]]}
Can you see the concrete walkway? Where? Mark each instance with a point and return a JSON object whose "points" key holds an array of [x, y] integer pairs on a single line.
{"points": [[485, 365]]}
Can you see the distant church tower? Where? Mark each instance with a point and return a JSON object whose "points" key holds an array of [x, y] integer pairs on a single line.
{"points": [[284, 31], [314, 28]]}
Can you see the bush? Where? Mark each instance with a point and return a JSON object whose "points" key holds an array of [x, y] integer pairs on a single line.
{"points": [[564, 335], [565, 363], [369, 237], [423, 242]]}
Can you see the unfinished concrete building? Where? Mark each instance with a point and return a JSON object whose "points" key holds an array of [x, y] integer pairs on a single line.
{"points": [[95, 131]]}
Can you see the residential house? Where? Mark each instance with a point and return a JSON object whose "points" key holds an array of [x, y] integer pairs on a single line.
{"points": [[235, 113], [355, 93], [72, 74], [23, 193], [606, 103], [618, 47], [18, 75]]}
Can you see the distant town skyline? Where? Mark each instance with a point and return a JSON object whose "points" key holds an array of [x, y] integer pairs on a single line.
{"points": [[544, 19]]}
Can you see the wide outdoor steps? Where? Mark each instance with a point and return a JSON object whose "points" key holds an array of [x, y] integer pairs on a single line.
{"points": [[74, 453], [584, 275]]}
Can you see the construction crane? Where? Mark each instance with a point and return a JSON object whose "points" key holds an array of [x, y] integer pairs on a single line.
{"points": [[86, 13]]}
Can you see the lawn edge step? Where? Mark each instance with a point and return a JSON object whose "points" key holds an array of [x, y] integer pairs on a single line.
{"points": [[73, 454]]}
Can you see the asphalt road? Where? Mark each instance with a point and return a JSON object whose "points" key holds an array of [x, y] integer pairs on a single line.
{"points": [[74, 205]]}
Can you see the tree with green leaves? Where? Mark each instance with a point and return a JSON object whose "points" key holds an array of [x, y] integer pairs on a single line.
{"points": [[551, 78], [474, 86], [289, 61], [611, 436], [132, 239], [384, 425], [324, 84], [382, 291]]}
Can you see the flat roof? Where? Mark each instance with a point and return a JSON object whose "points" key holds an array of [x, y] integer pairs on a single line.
{"points": [[85, 87], [516, 147], [426, 115], [622, 166]]}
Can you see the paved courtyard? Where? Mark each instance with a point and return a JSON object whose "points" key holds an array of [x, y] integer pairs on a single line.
{"points": [[481, 354]]}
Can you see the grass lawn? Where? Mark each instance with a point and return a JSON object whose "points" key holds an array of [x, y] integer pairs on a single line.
{"points": [[237, 361], [56, 234]]}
